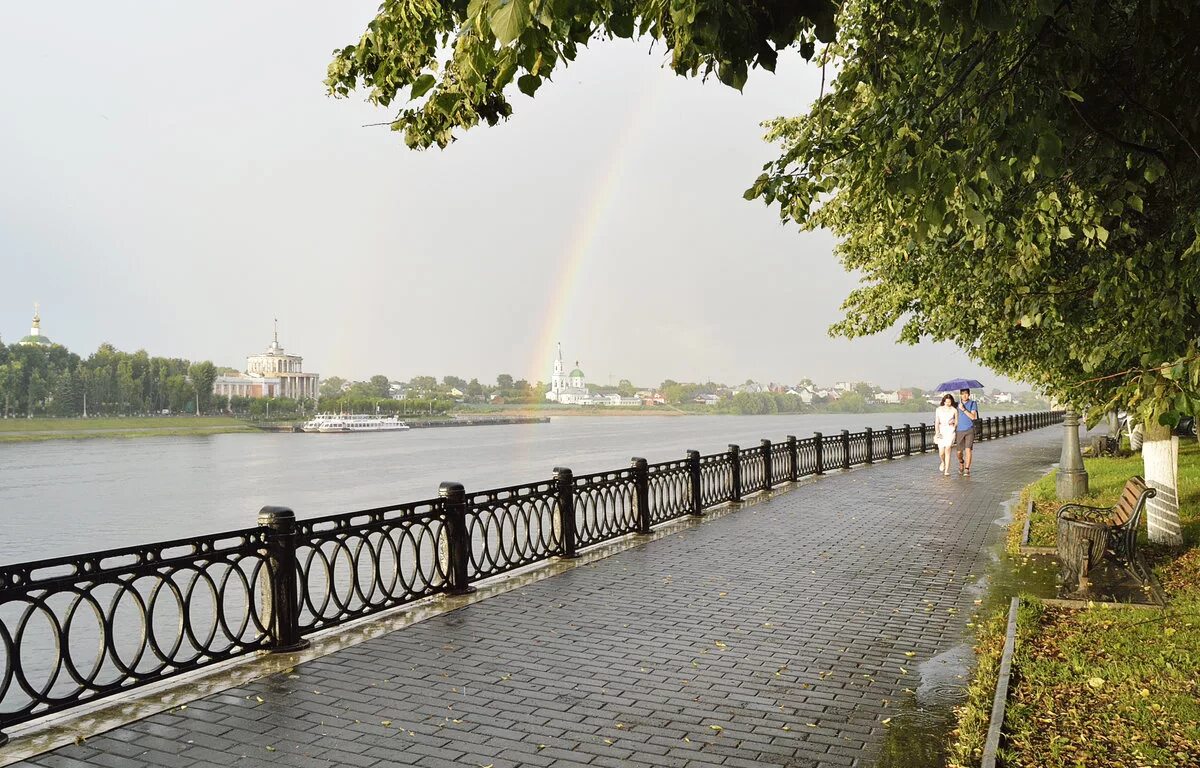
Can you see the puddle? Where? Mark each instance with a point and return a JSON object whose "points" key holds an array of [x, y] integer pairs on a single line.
{"points": [[918, 734]]}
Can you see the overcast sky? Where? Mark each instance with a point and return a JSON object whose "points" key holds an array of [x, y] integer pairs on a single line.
{"points": [[172, 177]]}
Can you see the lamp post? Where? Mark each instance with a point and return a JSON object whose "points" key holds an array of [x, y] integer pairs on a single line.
{"points": [[1072, 480]]}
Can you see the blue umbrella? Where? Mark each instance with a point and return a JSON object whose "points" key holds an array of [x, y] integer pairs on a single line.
{"points": [[956, 384]]}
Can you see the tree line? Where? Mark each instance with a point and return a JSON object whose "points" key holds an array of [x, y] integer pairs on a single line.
{"points": [[54, 381]]}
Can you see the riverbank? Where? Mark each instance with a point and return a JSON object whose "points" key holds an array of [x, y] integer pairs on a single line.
{"points": [[31, 430]]}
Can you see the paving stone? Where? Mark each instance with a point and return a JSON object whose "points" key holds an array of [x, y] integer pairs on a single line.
{"points": [[794, 610]]}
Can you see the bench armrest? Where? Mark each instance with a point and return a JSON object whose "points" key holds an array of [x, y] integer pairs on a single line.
{"points": [[1085, 512]]}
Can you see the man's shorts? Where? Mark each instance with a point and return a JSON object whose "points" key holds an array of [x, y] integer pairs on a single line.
{"points": [[964, 440]]}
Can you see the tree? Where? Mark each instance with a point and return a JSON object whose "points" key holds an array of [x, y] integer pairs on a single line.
{"points": [[1017, 178], [10, 379], [494, 43], [381, 386], [475, 390], [454, 382], [625, 388], [504, 381], [424, 384], [202, 376], [331, 388], [1046, 159]]}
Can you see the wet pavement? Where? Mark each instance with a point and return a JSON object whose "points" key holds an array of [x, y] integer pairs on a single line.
{"points": [[795, 632]]}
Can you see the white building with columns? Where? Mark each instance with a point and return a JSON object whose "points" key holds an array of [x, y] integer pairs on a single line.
{"points": [[568, 389], [271, 374]]}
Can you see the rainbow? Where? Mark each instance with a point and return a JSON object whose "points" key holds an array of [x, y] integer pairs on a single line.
{"points": [[566, 284]]}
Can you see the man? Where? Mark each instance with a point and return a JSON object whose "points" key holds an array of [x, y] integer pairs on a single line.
{"points": [[964, 435]]}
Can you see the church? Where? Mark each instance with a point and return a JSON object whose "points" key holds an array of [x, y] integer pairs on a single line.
{"points": [[568, 389], [36, 338]]}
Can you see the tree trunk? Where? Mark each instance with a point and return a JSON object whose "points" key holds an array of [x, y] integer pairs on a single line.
{"points": [[1160, 458]]}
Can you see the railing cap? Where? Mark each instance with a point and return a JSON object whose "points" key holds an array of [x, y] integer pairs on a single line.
{"points": [[274, 515], [449, 488]]}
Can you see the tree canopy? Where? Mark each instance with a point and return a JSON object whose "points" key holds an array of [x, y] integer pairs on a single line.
{"points": [[495, 45], [1021, 181], [1014, 176]]}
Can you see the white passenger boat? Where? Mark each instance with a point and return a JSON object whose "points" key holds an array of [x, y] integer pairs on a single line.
{"points": [[354, 422]]}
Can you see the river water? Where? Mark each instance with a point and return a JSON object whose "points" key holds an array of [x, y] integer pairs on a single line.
{"points": [[64, 497]]}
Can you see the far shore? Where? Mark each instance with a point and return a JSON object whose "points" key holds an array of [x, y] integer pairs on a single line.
{"points": [[18, 430]]}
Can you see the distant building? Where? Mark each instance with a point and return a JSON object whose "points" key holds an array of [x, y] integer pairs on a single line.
{"points": [[887, 397], [804, 393], [35, 337], [568, 389], [616, 400], [708, 399], [1004, 397], [271, 374]]}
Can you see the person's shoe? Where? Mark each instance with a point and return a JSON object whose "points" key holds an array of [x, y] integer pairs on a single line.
{"points": [[967, 472]]}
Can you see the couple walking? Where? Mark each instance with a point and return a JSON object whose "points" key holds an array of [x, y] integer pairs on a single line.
{"points": [[954, 429]]}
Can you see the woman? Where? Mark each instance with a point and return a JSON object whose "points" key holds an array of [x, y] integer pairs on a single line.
{"points": [[945, 421]]}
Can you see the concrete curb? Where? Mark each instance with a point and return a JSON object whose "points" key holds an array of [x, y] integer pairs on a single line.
{"points": [[1023, 548], [991, 745]]}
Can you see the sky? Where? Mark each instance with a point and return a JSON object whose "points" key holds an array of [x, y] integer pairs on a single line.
{"points": [[173, 177]]}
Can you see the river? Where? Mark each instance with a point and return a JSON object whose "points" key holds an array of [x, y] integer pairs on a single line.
{"points": [[64, 497]]}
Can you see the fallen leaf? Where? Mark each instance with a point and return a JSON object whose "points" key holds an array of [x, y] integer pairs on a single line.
{"points": [[887, 720], [270, 748], [716, 728], [386, 723], [1096, 682]]}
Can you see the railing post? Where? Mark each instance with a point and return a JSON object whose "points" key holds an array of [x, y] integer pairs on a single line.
{"points": [[870, 446], [767, 468], [641, 484], [566, 510], [891, 453], [454, 498], [693, 458], [735, 490], [818, 453], [793, 459], [924, 446], [281, 597], [845, 449], [1005, 426]]}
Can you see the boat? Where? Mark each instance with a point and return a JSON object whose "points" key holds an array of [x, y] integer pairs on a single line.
{"points": [[353, 422]]}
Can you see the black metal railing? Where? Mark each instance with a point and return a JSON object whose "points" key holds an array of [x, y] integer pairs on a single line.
{"points": [[74, 630]]}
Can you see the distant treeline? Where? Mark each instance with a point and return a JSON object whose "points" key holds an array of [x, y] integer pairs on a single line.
{"points": [[54, 381]]}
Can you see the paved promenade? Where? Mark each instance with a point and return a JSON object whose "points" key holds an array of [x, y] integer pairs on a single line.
{"points": [[784, 634]]}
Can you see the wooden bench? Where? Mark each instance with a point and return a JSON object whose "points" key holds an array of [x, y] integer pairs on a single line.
{"points": [[1086, 534]]}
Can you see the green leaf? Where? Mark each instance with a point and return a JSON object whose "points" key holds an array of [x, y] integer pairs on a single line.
{"points": [[621, 25], [509, 20], [1169, 419], [528, 84], [1135, 203], [994, 16], [421, 85], [975, 217], [446, 103], [1072, 95]]}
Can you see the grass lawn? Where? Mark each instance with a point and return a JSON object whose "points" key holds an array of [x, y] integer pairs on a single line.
{"points": [[1103, 686], [23, 430]]}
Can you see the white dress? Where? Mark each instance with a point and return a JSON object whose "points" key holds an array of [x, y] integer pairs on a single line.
{"points": [[943, 426]]}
